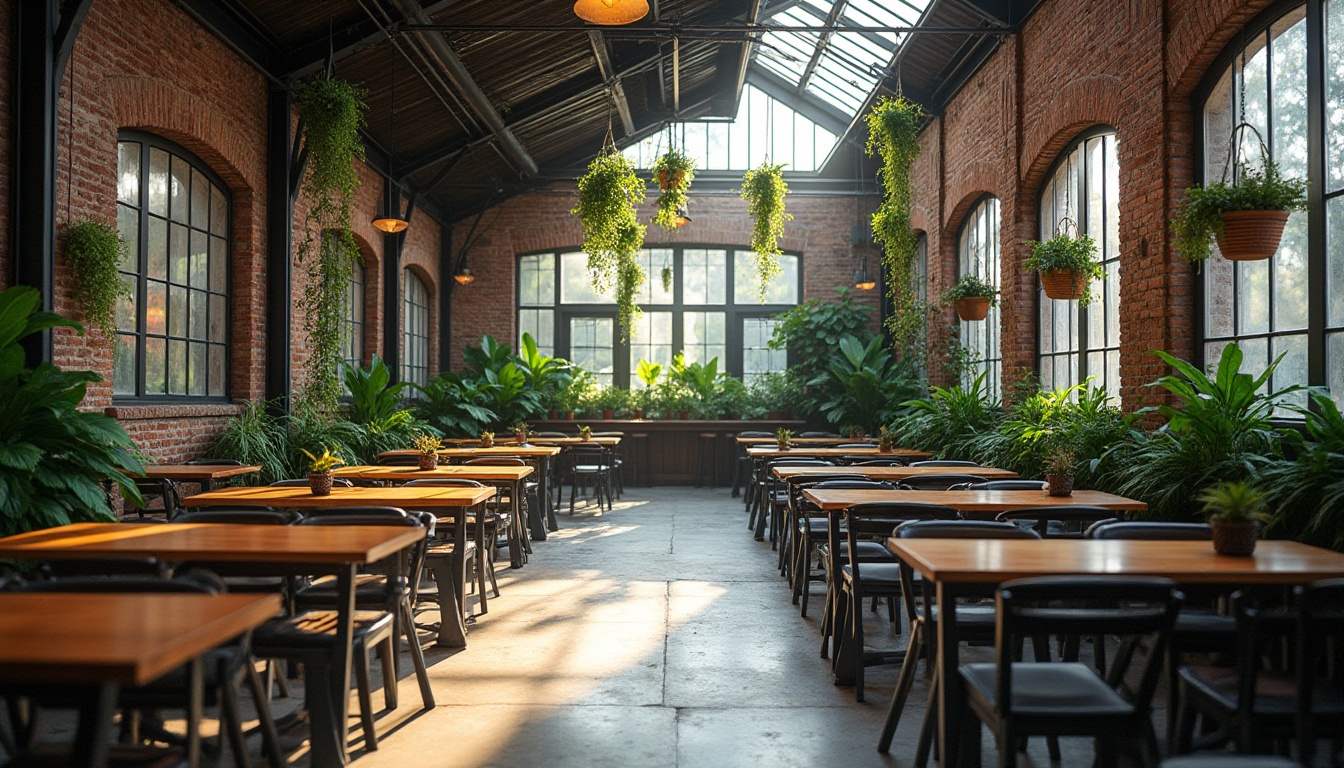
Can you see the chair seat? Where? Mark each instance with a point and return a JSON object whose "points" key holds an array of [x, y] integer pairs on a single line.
{"points": [[869, 552], [1199, 625], [315, 630], [877, 576], [118, 756], [367, 585], [1228, 760], [1275, 692], [977, 616], [444, 549], [1057, 691]]}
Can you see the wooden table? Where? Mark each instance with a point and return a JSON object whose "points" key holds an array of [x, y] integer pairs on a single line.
{"points": [[956, 569], [205, 474], [975, 505], [818, 441], [291, 549], [894, 474], [511, 476], [95, 643], [537, 440]]}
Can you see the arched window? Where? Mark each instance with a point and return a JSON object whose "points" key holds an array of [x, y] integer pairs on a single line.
{"points": [[1077, 343], [978, 254], [1293, 304], [352, 334], [173, 330], [415, 331]]}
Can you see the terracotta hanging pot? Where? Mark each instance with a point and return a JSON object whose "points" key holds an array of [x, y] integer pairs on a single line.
{"points": [[1064, 284], [973, 308], [1251, 235]]}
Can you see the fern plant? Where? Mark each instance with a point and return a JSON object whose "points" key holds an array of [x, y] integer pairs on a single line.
{"points": [[1305, 496], [947, 422]]}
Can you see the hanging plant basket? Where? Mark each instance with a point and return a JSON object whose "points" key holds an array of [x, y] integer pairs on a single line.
{"points": [[669, 179], [1251, 235], [973, 309], [1064, 284]]}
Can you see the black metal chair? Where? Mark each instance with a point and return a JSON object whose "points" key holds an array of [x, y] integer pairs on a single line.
{"points": [[943, 463], [793, 492], [819, 434], [772, 501], [1066, 698], [807, 529], [1061, 522], [1001, 485], [485, 533], [302, 482], [1146, 531], [742, 466], [589, 463], [939, 482]]}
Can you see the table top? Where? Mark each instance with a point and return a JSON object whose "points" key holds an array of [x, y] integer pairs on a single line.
{"points": [[770, 452], [804, 440], [130, 639], [328, 544], [499, 450], [997, 560], [467, 442], [190, 472], [442, 471], [891, 473], [974, 504], [302, 498]]}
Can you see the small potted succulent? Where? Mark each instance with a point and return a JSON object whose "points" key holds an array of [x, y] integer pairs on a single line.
{"points": [[428, 447], [1059, 472], [784, 437], [487, 439], [520, 432], [972, 297], [319, 471], [1067, 265], [585, 433], [1235, 510], [886, 441]]}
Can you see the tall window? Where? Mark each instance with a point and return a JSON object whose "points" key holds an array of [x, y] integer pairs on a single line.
{"points": [[710, 307], [1076, 343], [352, 334], [173, 330], [415, 331], [978, 254], [1293, 304]]}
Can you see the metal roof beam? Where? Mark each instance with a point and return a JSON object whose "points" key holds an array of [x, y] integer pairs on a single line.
{"points": [[610, 76], [823, 41], [819, 112], [997, 12], [346, 39], [739, 72]]}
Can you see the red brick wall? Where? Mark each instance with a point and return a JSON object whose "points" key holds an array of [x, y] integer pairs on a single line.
{"points": [[821, 231]]}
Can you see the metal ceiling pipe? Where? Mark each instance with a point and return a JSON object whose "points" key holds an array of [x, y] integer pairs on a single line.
{"points": [[456, 71]]}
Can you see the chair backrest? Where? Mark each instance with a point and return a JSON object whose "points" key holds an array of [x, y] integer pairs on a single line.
{"points": [[877, 521], [1320, 620], [214, 463], [302, 482], [939, 482], [818, 434], [799, 462], [963, 529], [856, 445], [1151, 531], [234, 516], [878, 463], [807, 481], [385, 513], [381, 516], [750, 433], [943, 463], [1003, 485], [1125, 606], [1063, 522], [855, 485], [497, 461], [551, 434], [194, 583], [399, 460], [444, 482]]}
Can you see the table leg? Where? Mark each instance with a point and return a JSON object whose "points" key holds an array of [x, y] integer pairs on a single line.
{"points": [[763, 506], [327, 683], [544, 488], [536, 516], [451, 573], [951, 694], [94, 733]]}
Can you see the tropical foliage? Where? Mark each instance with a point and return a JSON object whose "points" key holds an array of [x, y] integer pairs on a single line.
{"points": [[867, 386]]}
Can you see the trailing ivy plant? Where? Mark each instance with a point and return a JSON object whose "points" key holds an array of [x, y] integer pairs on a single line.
{"points": [[674, 171], [893, 132], [612, 234], [764, 189], [95, 250], [332, 113], [1199, 215]]}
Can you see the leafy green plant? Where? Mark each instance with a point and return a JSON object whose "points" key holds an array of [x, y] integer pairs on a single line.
{"points": [[612, 234], [544, 374], [612, 399], [1233, 502], [764, 189], [674, 170], [585, 431], [458, 406], [648, 372], [1198, 217], [812, 330], [893, 132], [1305, 495], [580, 389], [868, 385], [427, 443], [53, 456], [784, 437], [254, 436], [95, 250], [971, 287], [373, 395], [331, 112], [700, 378], [947, 422], [1064, 252], [324, 463]]}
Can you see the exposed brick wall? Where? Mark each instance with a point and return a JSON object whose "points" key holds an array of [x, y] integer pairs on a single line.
{"points": [[821, 231]]}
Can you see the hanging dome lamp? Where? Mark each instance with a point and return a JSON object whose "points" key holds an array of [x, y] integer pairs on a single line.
{"points": [[611, 12]]}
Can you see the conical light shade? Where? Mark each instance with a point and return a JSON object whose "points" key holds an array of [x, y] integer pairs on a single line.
{"points": [[611, 12], [464, 276], [391, 224]]}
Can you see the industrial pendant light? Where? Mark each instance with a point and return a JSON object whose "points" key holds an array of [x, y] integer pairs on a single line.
{"points": [[463, 275], [390, 220], [861, 279], [391, 223], [683, 216], [611, 12]]}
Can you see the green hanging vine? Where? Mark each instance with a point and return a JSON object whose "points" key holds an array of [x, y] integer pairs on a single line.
{"points": [[893, 131], [674, 171], [612, 234], [332, 112], [95, 251], [764, 189]]}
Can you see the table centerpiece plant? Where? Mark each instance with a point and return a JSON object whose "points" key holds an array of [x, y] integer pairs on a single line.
{"points": [[428, 446], [487, 439], [886, 441], [520, 430], [319, 471], [784, 438], [1235, 510], [1059, 472], [585, 433], [972, 297]]}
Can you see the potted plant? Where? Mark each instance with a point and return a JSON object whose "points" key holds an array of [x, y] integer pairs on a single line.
{"points": [[1059, 472], [1067, 266], [611, 400], [886, 441], [95, 251], [520, 432], [972, 297], [585, 433], [319, 471], [1246, 217], [428, 446], [784, 437], [487, 439], [674, 171], [1235, 510], [764, 189], [893, 133], [612, 234]]}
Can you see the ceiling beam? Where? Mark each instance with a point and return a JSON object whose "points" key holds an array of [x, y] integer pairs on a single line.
{"points": [[353, 35], [739, 71], [999, 13], [817, 111], [824, 40], [437, 47], [610, 76]]}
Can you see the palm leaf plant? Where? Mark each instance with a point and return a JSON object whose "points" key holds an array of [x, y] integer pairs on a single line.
{"points": [[948, 421], [1305, 495], [867, 385]]}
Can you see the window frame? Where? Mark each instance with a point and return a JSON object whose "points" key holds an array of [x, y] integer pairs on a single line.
{"points": [[148, 141], [409, 368], [355, 322], [994, 379], [622, 367]]}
